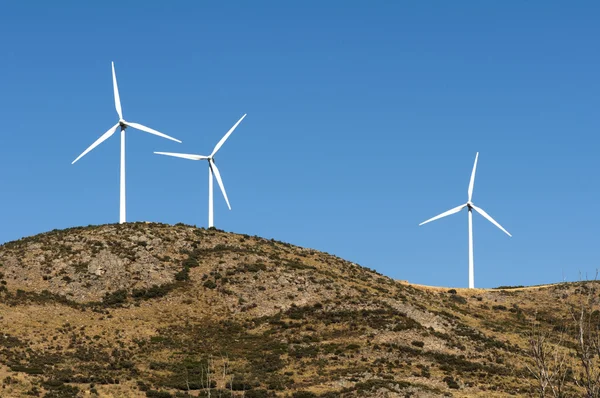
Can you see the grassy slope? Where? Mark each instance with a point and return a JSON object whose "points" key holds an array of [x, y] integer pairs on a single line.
{"points": [[128, 310]]}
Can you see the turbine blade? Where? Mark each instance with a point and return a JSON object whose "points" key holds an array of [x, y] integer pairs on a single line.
{"points": [[215, 170], [444, 214], [151, 131], [116, 90], [472, 183], [102, 138], [490, 219], [220, 143], [182, 155]]}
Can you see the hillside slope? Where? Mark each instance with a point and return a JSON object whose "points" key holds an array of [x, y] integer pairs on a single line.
{"points": [[154, 310]]}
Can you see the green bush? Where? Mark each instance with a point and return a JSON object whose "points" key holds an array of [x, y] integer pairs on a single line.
{"points": [[115, 298], [210, 284], [256, 394], [28, 370], [304, 394], [158, 394], [190, 262], [458, 299], [239, 385], [183, 275], [152, 292], [451, 382]]}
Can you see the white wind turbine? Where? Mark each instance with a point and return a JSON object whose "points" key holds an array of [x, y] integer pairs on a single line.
{"points": [[471, 207], [123, 124], [212, 168]]}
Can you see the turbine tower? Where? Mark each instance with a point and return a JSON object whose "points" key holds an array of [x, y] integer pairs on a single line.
{"points": [[470, 206], [212, 169], [123, 124]]}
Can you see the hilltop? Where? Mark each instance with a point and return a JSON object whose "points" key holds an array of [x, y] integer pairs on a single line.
{"points": [[153, 310]]}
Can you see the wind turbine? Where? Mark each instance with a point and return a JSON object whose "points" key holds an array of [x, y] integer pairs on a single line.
{"points": [[212, 168], [123, 124], [470, 207]]}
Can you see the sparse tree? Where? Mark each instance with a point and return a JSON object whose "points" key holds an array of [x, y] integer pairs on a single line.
{"points": [[550, 366], [205, 376], [587, 321], [225, 361]]}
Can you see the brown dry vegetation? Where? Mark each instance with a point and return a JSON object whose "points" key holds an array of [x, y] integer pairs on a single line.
{"points": [[146, 310]]}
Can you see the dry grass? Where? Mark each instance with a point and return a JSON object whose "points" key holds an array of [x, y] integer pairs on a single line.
{"points": [[137, 307]]}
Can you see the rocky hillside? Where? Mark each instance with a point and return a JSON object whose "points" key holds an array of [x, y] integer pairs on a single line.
{"points": [[152, 310]]}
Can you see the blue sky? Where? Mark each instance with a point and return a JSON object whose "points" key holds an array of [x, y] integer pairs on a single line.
{"points": [[363, 121]]}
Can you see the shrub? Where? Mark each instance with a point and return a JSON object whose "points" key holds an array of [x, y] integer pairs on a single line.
{"points": [[304, 394], [115, 298], [238, 385], [25, 369], [190, 262], [255, 267], [509, 287], [256, 394], [157, 394], [64, 391], [152, 292], [451, 382], [210, 284], [183, 275], [458, 299], [142, 386]]}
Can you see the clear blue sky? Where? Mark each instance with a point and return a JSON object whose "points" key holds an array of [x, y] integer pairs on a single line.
{"points": [[363, 121]]}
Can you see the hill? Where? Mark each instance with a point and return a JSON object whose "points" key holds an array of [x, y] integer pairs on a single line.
{"points": [[152, 310]]}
